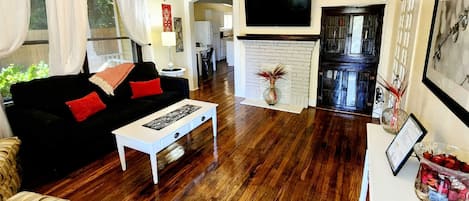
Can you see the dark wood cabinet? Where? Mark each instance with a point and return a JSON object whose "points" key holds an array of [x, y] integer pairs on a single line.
{"points": [[350, 42], [347, 87]]}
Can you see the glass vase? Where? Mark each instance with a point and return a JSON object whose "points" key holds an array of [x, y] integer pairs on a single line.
{"points": [[271, 95], [443, 173], [393, 118]]}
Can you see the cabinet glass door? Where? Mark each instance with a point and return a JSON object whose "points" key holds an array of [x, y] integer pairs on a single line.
{"points": [[336, 31]]}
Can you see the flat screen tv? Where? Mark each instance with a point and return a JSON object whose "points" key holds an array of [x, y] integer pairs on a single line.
{"points": [[278, 12]]}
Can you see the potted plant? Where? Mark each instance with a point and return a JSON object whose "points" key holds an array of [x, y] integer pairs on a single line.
{"points": [[271, 93], [394, 117]]}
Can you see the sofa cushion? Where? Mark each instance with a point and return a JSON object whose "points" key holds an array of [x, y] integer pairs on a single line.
{"points": [[112, 117], [145, 88], [141, 72], [50, 94], [86, 106], [165, 99]]}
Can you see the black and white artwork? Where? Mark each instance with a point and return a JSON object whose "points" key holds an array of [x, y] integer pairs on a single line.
{"points": [[178, 30], [447, 64], [166, 120]]}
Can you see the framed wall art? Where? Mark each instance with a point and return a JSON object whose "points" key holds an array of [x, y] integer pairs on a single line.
{"points": [[178, 30], [446, 71], [167, 17]]}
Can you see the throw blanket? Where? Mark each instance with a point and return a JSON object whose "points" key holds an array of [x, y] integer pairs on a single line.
{"points": [[109, 79]]}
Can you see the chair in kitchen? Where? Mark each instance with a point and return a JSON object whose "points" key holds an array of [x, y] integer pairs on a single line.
{"points": [[206, 63]]}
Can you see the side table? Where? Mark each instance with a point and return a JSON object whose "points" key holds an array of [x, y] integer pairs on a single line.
{"points": [[377, 173], [175, 72]]}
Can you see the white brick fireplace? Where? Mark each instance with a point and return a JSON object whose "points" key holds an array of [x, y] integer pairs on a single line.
{"points": [[295, 56]]}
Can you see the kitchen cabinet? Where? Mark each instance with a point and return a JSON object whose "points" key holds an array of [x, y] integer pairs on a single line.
{"points": [[204, 33], [221, 54]]}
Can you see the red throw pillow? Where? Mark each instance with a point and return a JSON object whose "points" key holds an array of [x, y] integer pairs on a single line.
{"points": [[86, 106], [146, 88]]}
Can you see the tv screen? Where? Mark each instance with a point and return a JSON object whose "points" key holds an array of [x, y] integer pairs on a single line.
{"points": [[278, 12]]}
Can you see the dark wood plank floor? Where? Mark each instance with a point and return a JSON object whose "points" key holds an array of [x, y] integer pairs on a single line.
{"points": [[259, 154]]}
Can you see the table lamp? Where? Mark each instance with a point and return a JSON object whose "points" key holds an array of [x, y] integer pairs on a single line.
{"points": [[168, 39]]}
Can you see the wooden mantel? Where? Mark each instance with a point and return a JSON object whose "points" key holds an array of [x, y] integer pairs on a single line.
{"points": [[309, 37]]}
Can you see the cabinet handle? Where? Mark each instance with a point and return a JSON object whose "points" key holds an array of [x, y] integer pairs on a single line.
{"points": [[203, 118], [176, 135]]}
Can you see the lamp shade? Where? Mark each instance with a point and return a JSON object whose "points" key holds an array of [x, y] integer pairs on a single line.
{"points": [[168, 38]]}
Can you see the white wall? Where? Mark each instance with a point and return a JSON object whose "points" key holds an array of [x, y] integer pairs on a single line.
{"points": [[179, 8], [240, 28], [191, 58], [199, 9], [441, 123]]}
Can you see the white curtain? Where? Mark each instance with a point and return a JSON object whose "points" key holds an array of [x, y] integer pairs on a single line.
{"points": [[134, 16], [14, 20], [67, 22]]}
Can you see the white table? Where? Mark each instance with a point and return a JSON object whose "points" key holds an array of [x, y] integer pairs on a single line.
{"points": [[151, 141], [173, 73], [377, 173]]}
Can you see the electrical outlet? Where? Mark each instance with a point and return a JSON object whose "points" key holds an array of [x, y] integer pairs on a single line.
{"points": [[379, 102]]}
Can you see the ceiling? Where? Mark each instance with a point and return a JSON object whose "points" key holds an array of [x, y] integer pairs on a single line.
{"points": [[216, 1]]}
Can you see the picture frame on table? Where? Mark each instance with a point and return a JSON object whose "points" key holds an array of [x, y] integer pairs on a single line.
{"points": [[446, 71], [402, 146]]}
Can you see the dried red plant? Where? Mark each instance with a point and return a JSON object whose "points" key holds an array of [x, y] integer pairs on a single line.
{"points": [[277, 73], [396, 91]]}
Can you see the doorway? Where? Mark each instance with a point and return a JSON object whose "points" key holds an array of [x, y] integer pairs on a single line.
{"points": [[349, 57], [213, 30]]}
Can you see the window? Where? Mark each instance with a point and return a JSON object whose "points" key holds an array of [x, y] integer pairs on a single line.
{"points": [[227, 21], [31, 60], [405, 35], [108, 43]]}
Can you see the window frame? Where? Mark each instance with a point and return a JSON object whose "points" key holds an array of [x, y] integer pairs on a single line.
{"points": [[136, 49]]}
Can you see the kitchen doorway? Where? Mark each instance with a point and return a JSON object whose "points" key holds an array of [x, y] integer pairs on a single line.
{"points": [[213, 36]]}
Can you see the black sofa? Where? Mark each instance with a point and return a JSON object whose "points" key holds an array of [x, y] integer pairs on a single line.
{"points": [[54, 143]]}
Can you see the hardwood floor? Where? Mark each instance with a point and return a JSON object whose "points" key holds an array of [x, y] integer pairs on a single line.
{"points": [[259, 154]]}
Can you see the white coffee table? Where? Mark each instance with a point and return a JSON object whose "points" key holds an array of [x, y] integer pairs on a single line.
{"points": [[152, 141]]}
